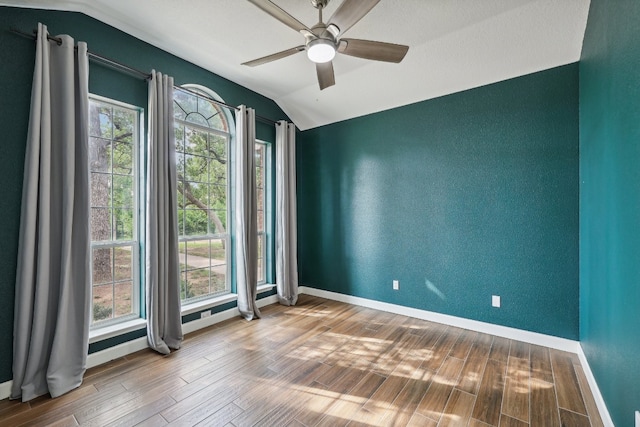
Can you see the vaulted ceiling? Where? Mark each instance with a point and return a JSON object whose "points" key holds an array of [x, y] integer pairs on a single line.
{"points": [[453, 45]]}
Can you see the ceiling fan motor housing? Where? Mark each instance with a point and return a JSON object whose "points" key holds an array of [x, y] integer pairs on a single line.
{"points": [[319, 4]]}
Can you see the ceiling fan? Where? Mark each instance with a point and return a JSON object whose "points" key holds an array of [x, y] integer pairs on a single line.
{"points": [[323, 40]]}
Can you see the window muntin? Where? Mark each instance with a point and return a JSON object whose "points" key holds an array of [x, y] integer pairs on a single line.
{"points": [[114, 130], [202, 156]]}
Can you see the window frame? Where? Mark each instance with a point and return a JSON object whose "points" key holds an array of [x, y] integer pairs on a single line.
{"points": [[134, 243]]}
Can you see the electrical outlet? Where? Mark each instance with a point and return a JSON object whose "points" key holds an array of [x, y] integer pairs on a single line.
{"points": [[396, 285], [205, 314], [495, 301], [637, 418]]}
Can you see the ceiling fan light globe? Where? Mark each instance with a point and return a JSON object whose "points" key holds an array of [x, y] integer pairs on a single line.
{"points": [[320, 51]]}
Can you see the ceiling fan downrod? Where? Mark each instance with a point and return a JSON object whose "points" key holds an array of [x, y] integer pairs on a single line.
{"points": [[319, 4]]}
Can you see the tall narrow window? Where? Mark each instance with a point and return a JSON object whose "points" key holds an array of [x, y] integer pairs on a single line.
{"points": [[261, 151], [202, 155], [113, 147]]}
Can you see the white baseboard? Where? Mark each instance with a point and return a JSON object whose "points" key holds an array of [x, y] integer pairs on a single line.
{"points": [[473, 325], [115, 352], [595, 390], [5, 389], [121, 350]]}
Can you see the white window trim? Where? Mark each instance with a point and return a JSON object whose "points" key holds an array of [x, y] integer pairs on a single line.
{"points": [[209, 298], [124, 322]]}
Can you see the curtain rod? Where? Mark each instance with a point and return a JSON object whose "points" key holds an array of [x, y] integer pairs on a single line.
{"points": [[146, 76]]}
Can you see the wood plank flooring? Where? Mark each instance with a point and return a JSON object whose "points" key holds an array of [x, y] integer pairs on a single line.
{"points": [[325, 363]]}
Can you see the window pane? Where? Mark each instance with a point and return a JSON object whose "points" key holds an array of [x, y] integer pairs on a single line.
{"points": [[206, 108], [184, 102], [260, 270], [124, 298], [218, 220], [180, 160], [123, 263], [100, 120], [197, 119], [218, 197], [100, 224], [197, 254], [196, 142], [180, 222], [123, 158], [123, 222], [259, 154], [218, 252], [179, 137], [196, 168], [217, 122], [100, 190], [196, 222], [99, 154], [123, 125], [261, 257], [196, 194], [102, 265], [259, 178], [197, 282], [102, 302], [261, 221], [122, 191], [218, 279]]}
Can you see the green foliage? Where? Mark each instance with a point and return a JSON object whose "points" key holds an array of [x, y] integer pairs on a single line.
{"points": [[101, 312]]}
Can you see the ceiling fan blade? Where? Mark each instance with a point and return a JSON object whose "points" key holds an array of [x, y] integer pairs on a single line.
{"points": [[349, 12], [378, 51], [278, 13], [326, 77], [274, 56]]}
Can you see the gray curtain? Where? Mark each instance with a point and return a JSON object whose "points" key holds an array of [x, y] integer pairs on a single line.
{"points": [[246, 214], [286, 223], [52, 305], [164, 325]]}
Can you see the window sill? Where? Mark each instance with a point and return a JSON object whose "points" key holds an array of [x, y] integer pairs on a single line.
{"points": [[117, 329], [266, 287], [101, 334], [207, 303]]}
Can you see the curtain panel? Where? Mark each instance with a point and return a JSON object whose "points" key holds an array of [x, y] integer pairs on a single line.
{"points": [[286, 222], [52, 298], [164, 322], [246, 221]]}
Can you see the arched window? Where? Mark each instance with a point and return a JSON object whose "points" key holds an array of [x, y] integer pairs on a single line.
{"points": [[203, 132]]}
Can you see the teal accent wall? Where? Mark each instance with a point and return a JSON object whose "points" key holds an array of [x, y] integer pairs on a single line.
{"points": [[458, 198], [16, 72], [610, 203]]}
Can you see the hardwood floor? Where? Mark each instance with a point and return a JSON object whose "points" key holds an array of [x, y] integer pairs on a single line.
{"points": [[325, 363]]}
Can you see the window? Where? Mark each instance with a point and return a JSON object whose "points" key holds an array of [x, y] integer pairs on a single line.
{"points": [[114, 130], [203, 133], [261, 152], [202, 154]]}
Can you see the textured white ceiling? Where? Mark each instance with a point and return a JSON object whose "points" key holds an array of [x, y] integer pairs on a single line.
{"points": [[453, 45]]}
